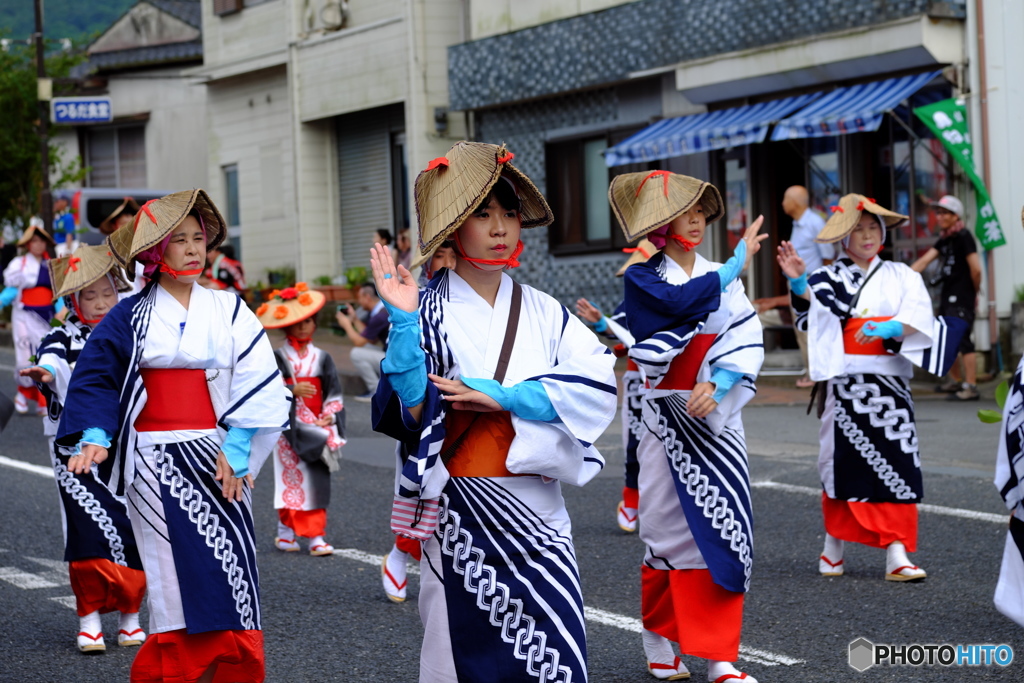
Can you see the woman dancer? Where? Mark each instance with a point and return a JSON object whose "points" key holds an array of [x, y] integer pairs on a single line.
{"points": [[308, 452], [699, 345], [865, 319], [99, 546], [519, 390], [33, 308], [180, 387]]}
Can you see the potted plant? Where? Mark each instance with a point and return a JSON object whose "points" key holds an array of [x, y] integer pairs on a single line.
{"points": [[333, 292], [356, 277]]}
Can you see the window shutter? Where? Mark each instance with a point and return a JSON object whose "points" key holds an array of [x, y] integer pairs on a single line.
{"points": [[222, 7]]}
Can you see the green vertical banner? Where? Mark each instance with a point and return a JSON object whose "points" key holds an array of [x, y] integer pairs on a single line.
{"points": [[948, 121]]}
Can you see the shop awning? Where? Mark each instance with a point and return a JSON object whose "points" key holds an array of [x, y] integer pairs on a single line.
{"points": [[853, 109], [702, 132]]}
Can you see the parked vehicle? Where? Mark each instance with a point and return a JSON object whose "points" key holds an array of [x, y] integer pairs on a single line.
{"points": [[94, 204]]}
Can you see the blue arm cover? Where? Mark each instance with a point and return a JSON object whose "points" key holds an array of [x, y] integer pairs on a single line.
{"points": [[59, 306], [405, 362], [236, 449], [887, 329], [732, 268], [601, 325], [527, 399], [49, 369], [723, 380], [95, 436], [798, 285], [8, 295]]}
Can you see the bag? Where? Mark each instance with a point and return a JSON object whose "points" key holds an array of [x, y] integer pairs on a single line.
{"points": [[417, 518]]}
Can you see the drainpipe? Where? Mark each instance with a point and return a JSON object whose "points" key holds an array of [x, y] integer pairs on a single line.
{"points": [[990, 262]]}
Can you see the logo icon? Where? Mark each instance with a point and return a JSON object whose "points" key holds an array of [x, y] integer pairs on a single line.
{"points": [[862, 654]]}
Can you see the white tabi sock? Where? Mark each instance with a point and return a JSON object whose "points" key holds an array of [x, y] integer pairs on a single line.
{"points": [[896, 557], [718, 669], [285, 533], [129, 622], [833, 548], [658, 648], [91, 623]]}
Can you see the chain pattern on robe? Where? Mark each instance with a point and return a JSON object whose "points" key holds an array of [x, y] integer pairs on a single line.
{"points": [[705, 494], [634, 406], [849, 389], [94, 509], [517, 628], [208, 525]]}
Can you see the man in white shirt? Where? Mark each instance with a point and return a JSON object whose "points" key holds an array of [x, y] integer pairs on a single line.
{"points": [[806, 226]]}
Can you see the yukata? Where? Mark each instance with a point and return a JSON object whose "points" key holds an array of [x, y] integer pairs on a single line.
{"points": [[1009, 597], [632, 406], [104, 565], [167, 383], [500, 595], [694, 479], [302, 469], [869, 463], [30, 317]]}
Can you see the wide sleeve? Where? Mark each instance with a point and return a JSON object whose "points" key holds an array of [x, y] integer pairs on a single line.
{"points": [[657, 306], [14, 274], [53, 352], [330, 386], [915, 310], [1009, 460], [823, 324]]}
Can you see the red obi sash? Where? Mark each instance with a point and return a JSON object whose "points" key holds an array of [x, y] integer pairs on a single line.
{"points": [[315, 403], [483, 451], [175, 399], [631, 365], [874, 347], [37, 296], [682, 371]]}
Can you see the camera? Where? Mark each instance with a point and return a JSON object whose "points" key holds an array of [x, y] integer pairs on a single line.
{"points": [[342, 308]]}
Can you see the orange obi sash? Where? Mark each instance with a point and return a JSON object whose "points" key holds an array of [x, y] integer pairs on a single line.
{"points": [[682, 371], [176, 398], [631, 365], [483, 451], [315, 403], [874, 347], [37, 296]]}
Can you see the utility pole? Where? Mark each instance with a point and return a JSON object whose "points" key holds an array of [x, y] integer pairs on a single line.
{"points": [[44, 95]]}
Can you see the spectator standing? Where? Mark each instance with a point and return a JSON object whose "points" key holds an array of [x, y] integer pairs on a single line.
{"points": [[370, 339], [63, 226], [403, 249], [960, 278], [382, 237]]}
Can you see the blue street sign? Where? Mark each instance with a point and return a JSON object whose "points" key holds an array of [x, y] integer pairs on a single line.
{"points": [[81, 110]]}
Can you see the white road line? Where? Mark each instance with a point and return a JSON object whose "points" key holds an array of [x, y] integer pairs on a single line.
{"points": [[27, 467], [11, 368], [934, 509], [598, 616], [24, 579], [68, 601]]}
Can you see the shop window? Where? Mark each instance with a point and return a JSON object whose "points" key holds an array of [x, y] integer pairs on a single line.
{"points": [[116, 156], [823, 174], [232, 213]]}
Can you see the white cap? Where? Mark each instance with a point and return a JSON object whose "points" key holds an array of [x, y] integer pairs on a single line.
{"points": [[951, 204]]}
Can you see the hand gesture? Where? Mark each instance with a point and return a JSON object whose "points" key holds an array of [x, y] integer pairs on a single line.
{"points": [[790, 262], [232, 487], [395, 286], [461, 397], [38, 374], [91, 453], [701, 401], [324, 421], [303, 389], [753, 239], [587, 311]]}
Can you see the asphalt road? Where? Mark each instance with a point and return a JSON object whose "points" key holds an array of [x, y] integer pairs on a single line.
{"points": [[327, 619]]}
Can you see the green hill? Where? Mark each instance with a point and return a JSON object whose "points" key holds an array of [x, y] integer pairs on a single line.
{"points": [[79, 20]]}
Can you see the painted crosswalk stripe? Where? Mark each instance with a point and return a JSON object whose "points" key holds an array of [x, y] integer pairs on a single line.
{"points": [[934, 509], [68, 601], [597, 616], [25, 580], [27, 467]]}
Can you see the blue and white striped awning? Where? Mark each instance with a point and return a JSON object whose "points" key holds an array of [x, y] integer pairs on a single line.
{"points": [[702, 132], [854, 109]]}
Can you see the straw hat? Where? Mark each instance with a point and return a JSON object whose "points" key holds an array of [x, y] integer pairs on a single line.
{"points": [[846, 215], [156, 218], [452, 186], [638, 254], [289, 306], [88, 264], [106, 227], [35, 227], [644, 201]]}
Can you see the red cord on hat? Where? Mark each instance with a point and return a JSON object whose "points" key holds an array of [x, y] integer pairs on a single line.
{"points": [[72, 265], [440, 161], [510, 262], [506, 158], [650, 175], [144, 209], [836, 207], [686, 244], [630, 250]]}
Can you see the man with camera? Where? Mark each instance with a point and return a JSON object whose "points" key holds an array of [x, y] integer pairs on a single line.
{"points": [[369, 338]]}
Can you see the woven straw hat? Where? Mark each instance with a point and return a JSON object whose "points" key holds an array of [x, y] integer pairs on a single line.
{"points": [[289, 306], [846, 215], [638, 254], [156, 218], [35, 227], [644, 201], [452, 186], [88, 264], [106, 227]]}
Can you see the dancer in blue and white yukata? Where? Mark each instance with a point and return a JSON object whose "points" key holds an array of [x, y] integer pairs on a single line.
{"points": [[500, 592], [700, 347]]}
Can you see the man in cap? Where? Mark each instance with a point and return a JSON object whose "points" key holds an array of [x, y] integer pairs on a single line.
{"points": [[960, 278]]}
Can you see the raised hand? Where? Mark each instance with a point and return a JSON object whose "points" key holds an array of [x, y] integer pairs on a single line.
{"points": [[396, 286], [753, 239], [587, 311], [790, 262]]}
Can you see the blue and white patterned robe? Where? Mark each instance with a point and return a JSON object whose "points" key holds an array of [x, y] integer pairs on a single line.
{"points": [[188, 534], [1009, 481], [500, 597]]}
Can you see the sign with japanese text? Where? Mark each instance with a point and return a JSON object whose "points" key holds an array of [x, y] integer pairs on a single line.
{"points": [[81, 110], [947, 119]]}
